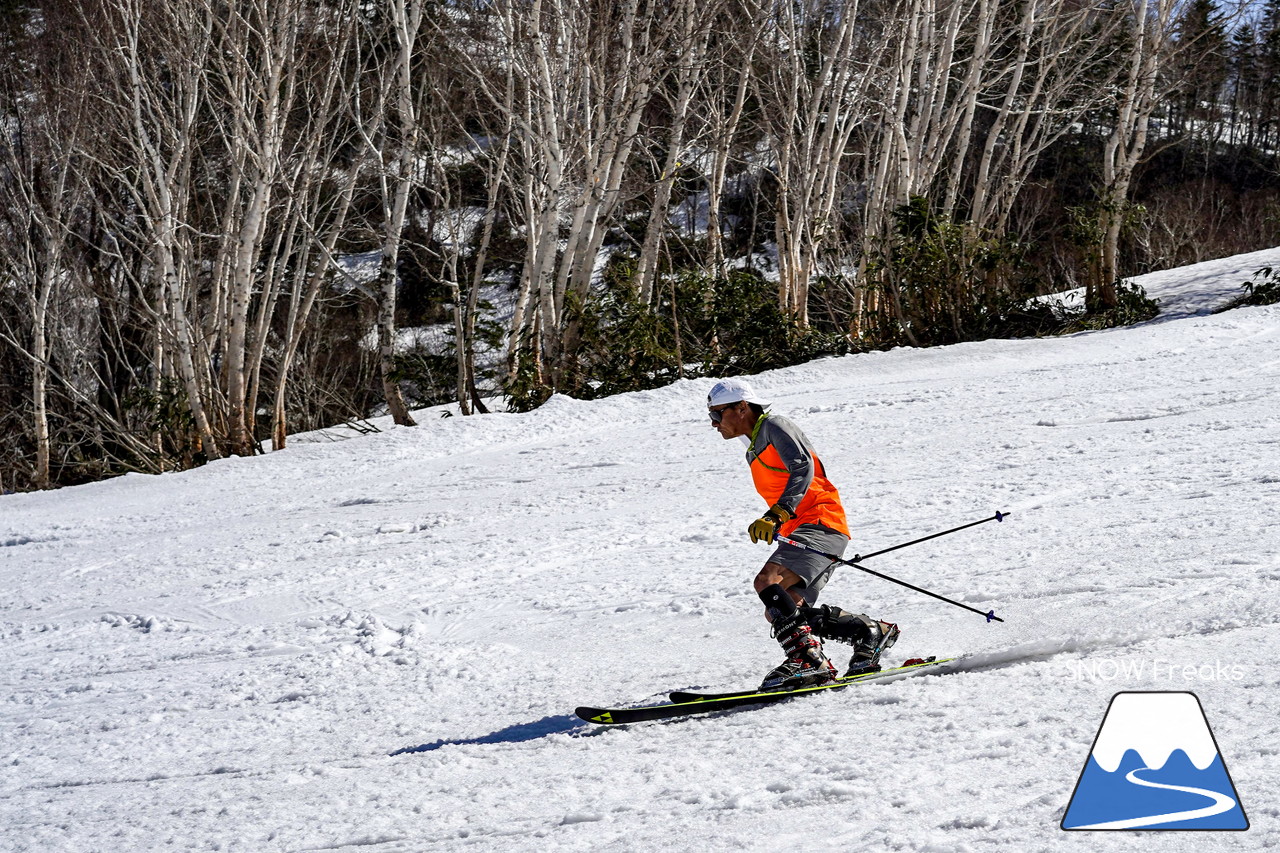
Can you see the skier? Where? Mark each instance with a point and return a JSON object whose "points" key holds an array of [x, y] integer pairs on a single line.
{"points": [[804, 506]]}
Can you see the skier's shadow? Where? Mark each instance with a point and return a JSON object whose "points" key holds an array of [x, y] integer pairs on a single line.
{"points": [[518, 733]]}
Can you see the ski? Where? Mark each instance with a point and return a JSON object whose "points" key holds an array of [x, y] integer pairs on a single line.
{"points": [[875, 675], [725, 702], [622, 716]]}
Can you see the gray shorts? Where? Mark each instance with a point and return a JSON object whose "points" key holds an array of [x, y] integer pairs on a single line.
{"points": [[814, 569]]}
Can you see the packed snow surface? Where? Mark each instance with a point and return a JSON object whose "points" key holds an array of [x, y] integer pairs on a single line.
{"points": [[377, 644]]}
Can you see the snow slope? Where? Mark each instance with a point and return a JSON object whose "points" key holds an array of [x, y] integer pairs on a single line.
{"points": [[1203, 287], [225, 659]]}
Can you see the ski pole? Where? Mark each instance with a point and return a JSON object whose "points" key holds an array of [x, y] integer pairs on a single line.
{"points": [[999, 516], [990, 614]]}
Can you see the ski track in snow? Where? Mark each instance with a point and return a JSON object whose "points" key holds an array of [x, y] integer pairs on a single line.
{"points": [[227, 658]]}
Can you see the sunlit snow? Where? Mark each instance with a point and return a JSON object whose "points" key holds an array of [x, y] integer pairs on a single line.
{"points": [[227, 658]]}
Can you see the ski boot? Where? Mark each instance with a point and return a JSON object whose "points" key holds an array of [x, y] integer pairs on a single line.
{"points": [[866, 655], [869, 637], [806, 664]]}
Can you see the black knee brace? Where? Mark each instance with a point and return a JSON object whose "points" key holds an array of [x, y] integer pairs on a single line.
{"points": [[777, 601]]}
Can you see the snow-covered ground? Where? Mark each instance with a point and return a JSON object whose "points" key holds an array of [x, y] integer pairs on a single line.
{"points": [[1192, 290], [225, 659], [1204, 287]]}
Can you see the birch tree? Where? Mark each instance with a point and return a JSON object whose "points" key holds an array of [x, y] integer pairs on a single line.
{"points": [[814, 104], [1136, 101], [1050, 81], [51, 235], [397, 144], [336, 99], [729, 79], [585, 76], [150, 91], [41, 196], [255, 66], [689, 52], [623, 66]]}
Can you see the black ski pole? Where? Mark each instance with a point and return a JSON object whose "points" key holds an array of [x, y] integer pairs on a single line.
{"points": [[999, 516], [990, 614]]}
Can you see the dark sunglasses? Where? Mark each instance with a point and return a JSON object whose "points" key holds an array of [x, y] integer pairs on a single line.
{"points": [[717, 415]]}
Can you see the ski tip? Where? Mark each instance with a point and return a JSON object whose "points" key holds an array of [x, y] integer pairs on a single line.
{"points": [[595, 715]]}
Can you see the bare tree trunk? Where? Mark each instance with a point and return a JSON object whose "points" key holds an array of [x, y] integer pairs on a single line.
{"points": [[632, 69], [164, 186], [585, 75], [1153, 30], [724, 132], [690, 65], [497, 174], [406, 16], [309, 279], [144, 147], [815, 114], [265, 32], [40, 375], [40, 193], [979, 78], [545, 157], [320, 211]]}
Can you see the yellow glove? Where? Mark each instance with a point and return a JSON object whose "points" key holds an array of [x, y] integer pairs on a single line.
{"points": [[766, 527]]}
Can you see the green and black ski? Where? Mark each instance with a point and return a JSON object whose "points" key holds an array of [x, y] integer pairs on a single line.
{"points": [[684, 704], [875, 675]]}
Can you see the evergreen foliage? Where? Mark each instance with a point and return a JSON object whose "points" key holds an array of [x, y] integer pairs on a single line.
{"points": [[1133, 306], [1262, 289], [698, 327], [953, 283], [746, 228]]}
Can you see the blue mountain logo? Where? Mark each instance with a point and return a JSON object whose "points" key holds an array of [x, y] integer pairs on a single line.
{"points": [[1155, 765]]}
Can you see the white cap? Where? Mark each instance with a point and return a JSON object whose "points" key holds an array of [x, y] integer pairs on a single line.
{"points": [[733, 391]]}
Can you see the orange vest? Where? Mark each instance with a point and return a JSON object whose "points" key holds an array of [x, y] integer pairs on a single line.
{"points": [[820, 505]]}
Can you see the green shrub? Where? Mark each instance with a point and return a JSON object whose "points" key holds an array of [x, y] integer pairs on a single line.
{"points": [[749, 329], [1132, 306], [430, 378], [953, 282], [696, 326], [166, 413], [625, 346], [426, 378], [524, 389], [1264, 289]]}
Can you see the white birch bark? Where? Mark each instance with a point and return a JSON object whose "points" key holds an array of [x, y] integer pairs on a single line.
{"points": [[157, 123], [397, 182], [41, 192], [255, 61], [586, 74], [815, 115], [1123, 150], [723, 132], [690, 66]]}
